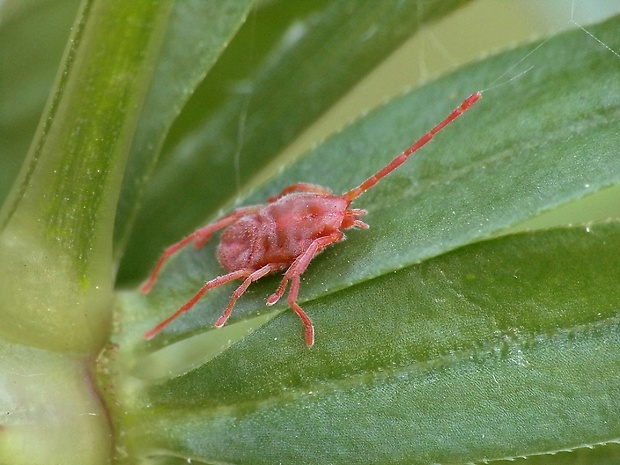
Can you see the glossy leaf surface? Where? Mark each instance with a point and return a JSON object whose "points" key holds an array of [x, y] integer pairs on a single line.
{"points": [[288, 65], [439, 337]]}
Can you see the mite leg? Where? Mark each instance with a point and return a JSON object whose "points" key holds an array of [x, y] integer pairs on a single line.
{"points": [[292, 297], [199, 237], [301, 262], [202, 235], [301, 187], [294, 274], [421, 142], [351, 219], [191, 302], [255, 276]]}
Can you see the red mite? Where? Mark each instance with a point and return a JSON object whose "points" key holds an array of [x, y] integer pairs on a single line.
{"points": [[285, 234]]}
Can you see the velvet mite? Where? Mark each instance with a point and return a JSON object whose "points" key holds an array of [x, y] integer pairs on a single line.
{"points": [[284, 234]]}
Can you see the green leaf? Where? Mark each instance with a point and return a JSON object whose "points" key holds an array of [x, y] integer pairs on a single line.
{"points": [[31, 51], [500, 349], [482, 176], [208, 26], [439, 337], [288, 65]]}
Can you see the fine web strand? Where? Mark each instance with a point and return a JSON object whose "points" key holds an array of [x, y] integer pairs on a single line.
{"points": [[572, 21]]}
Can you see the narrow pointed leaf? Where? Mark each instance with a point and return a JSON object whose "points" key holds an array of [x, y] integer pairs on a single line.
{"points": [[209, 27], [33, 36], [501, 349], [288, 65], [483, 175], [435, 342]]}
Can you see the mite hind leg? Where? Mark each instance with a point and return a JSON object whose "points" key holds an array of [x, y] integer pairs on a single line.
{"points": [[199, 238], [216, 282]]}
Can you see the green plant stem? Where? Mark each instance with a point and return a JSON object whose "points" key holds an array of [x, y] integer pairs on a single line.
{"points": [[56, 274]]}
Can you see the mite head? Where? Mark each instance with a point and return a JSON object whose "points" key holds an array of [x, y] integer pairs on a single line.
{"points": [[309, 215]]}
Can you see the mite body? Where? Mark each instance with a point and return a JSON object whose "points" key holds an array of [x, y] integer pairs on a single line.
{"points": [[284, 234], [281, 231]]}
